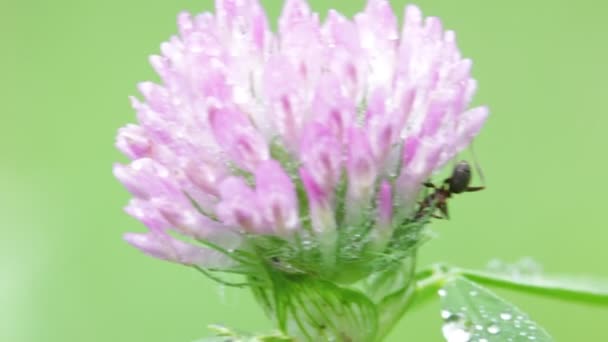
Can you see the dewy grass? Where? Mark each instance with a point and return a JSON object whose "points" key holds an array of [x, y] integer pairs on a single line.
{"points": [[299, 162]]}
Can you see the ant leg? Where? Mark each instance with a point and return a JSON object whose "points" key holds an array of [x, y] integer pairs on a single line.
{"points": [[446, 183], [443, 207], [475, 188], [429, 185]]}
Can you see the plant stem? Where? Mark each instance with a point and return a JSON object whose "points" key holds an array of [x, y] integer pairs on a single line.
{"points": [[428, 281]]}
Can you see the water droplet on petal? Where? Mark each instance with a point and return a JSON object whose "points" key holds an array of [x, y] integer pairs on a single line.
{"points": [[442, 292], [493, 329]]}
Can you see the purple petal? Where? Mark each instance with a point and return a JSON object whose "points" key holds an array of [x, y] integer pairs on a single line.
{"points": [[239, 206], [385, 205], [362, 168], [157, 97], [132, 142], [471, 122], [320, 152], [162, 246], [434, 118], [294, 13], [281, 84], [184, 219], [206, 175], [319, 201], [148, 214], [276, 197], [317, 196], [410, 145], [332, 108], [301, 41], [145, 178], [240, 139], [377, 27], [185, 24]]}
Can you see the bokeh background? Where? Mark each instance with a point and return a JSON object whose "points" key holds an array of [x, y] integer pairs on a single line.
{"points": [[68, 66]]}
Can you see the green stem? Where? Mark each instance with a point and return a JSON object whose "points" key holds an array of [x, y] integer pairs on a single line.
{"points": [[428, 281]]}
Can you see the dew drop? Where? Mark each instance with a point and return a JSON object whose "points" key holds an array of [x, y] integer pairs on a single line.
{"points": [[482, 340], [445, 314], [442, 292], [531, 338], [478, 327], [454, 329], [506, 316], [493, 329], [473, 293]]}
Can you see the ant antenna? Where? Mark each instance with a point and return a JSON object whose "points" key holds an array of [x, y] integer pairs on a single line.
{"points": [[476, 164]]}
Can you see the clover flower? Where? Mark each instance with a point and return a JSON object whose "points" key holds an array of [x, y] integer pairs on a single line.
{"points": [[304, 150]]}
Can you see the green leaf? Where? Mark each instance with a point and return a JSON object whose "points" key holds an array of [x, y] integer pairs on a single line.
{"points": [[473, 313], [584, 289]]}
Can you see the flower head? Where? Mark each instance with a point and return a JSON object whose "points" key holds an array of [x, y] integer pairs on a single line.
{"points": [[320, 135]]}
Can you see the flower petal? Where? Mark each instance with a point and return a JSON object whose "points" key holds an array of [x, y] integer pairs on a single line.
{"points": [[240, 139], [160, 245], [361, 165], [320, 152], [132, 141], [145, 178], [239, 206], [277, 197]]}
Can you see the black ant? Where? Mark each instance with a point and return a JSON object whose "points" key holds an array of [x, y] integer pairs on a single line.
{"points": [[457, 183]]}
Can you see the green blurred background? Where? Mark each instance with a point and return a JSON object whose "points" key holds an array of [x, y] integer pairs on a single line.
{"points": [[68, 66]]}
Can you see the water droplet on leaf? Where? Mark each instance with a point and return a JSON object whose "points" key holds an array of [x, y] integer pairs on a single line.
{"points": [[506, 316], [454, 329], [493, 329]]}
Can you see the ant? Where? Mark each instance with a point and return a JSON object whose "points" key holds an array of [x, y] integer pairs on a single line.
{"points": [[457, 183]]}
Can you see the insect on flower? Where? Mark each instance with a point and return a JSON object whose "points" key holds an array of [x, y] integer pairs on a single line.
{"points": [[457, 183]]}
